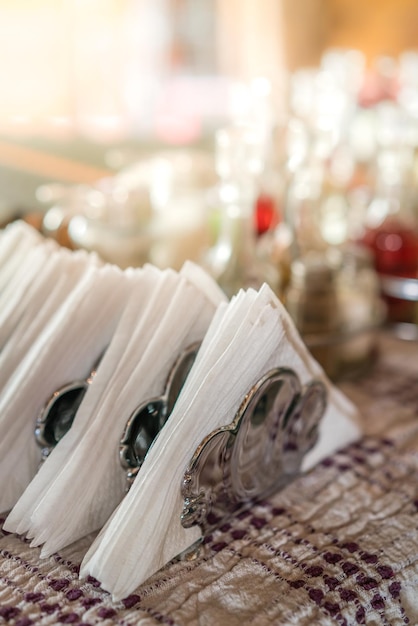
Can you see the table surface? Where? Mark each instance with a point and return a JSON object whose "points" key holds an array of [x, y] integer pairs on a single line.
{"points": [[338, 546]]}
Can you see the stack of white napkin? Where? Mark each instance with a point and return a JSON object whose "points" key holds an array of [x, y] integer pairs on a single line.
{"points": [[57, 339], [15, 241], [29, 310], [166, 313], [21, 260], [247, 338]]}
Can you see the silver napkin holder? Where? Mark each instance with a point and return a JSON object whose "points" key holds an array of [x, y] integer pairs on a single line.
{"points": [[258, 453], [57, 416], [147, 420]]}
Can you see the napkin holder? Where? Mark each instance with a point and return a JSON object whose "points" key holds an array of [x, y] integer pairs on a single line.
{"points": [[56, 417], [252, 457], [257, 454], [147, 420]]}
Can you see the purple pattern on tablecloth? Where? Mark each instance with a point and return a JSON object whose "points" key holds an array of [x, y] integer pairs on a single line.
{"points": [[338, 576], [339, 546]]}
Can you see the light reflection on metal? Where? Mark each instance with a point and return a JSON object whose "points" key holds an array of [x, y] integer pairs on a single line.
{"points": [[57, 416], [148, 419], [258, 453]]}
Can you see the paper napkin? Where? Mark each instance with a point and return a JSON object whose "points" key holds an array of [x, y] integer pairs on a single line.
{"points": [[15, 292], [66, 349], [83, 474], [251, 336], [144, 283], [23, 318], [15, 242]]}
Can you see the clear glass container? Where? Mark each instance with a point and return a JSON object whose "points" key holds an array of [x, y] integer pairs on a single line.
{"points": [[311, 300], [391, 228], [233, 260], [334, 300], [114, 222]]}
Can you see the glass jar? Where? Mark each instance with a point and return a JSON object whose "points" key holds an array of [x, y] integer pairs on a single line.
{"points": [[311, 300], [391, 229]]}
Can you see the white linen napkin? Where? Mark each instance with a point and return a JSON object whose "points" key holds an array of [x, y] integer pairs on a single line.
{"points": [[251, 336], [75, 477], [72, 341]]}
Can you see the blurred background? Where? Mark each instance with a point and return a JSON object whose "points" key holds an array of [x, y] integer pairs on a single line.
{"points": [[268, 140], [80, 76]]}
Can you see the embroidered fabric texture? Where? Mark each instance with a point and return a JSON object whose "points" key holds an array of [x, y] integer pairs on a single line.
{"points": [[338, 546]]}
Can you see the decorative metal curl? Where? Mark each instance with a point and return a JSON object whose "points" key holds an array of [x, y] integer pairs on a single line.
{"points": [[57, 415], [255, 455], [147, 420]]}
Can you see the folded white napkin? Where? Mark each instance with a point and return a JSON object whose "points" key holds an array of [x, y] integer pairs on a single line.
{"points": [[166, 313], [15, 242], [249, 337], [144, 283], [65, 350], [23, 318], [15, 292]]}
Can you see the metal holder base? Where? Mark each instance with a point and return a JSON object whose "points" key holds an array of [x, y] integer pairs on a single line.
{"points": [[258, 453]]}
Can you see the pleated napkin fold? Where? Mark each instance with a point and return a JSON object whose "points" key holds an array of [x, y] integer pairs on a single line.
{"points": [[166, 313], [15, 293], [247, 338], [15, 242], [23, 318], [66, 349]]}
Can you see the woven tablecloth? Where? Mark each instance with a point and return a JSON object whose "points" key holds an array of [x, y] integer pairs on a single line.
{"points": [[338, 546]]}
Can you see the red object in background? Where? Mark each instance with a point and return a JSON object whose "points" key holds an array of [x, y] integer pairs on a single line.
{"points": [[395, 249], [266, 214], [377, 88]]}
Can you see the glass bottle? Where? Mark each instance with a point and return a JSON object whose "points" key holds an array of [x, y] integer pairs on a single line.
{"points": [[303, 208], [391, 230], [233, 260], [311, 300]]}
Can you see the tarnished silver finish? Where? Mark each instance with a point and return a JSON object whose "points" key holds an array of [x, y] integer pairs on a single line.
{"points": [[255, 455], [57, 416], [147, 420]]}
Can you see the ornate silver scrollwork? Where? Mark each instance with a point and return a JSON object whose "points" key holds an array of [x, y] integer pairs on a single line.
{"points": [[147, 420], [57, 416], [255, 455]]}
